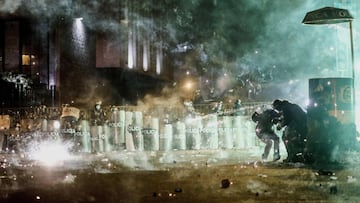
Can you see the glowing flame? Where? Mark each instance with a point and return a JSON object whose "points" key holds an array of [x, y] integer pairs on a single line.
{"points": [[188, 85], [56, 124]]}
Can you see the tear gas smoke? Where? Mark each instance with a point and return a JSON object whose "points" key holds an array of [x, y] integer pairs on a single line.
{"points": [[10, 5], [270, 42], [168, 99], [269, 45]]}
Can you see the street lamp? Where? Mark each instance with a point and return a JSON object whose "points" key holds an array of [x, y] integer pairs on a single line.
{"points": [[331, 15]]}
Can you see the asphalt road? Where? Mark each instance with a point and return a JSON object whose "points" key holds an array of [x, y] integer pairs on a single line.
{"points": [[180, 176]]}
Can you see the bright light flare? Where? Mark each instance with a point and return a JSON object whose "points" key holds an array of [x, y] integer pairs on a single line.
{"points": [[56, 124], [188, 85], [50, 153]]}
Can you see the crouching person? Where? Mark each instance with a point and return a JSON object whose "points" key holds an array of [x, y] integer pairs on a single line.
{"points": [[264, 131], [294, 120]]}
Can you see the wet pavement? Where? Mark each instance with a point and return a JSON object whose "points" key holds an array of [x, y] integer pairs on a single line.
{"points": [[177, 176]]}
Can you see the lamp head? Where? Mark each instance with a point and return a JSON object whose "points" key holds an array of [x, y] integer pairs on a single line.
{"points": [[327, 15]]}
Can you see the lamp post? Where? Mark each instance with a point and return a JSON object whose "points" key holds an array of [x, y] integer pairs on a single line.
{"points": [[331, 15]]}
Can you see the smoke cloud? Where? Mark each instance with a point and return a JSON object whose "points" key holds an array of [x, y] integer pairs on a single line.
{"points": [[10, 5], [263, 40]]}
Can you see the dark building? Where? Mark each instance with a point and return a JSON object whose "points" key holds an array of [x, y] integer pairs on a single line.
{"points": [[80, 51]]}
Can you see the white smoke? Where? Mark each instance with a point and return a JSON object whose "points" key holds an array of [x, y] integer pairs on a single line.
{"points": [[169, 99], [10, 5], [270, 40]]}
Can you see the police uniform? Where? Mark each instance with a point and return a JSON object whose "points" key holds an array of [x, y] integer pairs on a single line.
{"points": [[294, 137]]}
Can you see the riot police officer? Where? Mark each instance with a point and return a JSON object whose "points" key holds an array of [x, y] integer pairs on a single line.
{"points": [[237, 108], [97, 131], [98, 116], [294, 119]]}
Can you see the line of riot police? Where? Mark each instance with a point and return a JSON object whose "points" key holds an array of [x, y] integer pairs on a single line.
{"points": [[71, 125], [115, 128]]}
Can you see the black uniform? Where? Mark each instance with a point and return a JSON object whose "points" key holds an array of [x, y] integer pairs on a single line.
{"points": [[294, 137], [98, 116], [264, 131]]}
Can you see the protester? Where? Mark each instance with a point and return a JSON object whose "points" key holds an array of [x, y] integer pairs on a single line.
{"points": [[264, 131]]}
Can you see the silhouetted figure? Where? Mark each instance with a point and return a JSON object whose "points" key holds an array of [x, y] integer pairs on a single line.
{"points": [[237, 108], [98, 116], [98, 119], [328, 137], [294, 119]]}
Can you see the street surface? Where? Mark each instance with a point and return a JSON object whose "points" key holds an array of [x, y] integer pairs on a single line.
{"points": [[177, 176]]}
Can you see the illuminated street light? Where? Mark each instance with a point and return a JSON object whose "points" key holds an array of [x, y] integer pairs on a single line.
{"points": [[331, 15], [187, 88], [189, 85]]}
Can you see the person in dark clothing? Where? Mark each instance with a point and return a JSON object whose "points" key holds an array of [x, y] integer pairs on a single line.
{"points": [[294, 119], [264, 131], [98, 115]]}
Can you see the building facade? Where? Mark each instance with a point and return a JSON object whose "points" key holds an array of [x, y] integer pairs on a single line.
{"points": [[78, 52]]}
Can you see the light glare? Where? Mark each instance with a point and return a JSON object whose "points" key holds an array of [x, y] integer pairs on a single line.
{"points": [[50, 153], [56, 124]]}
